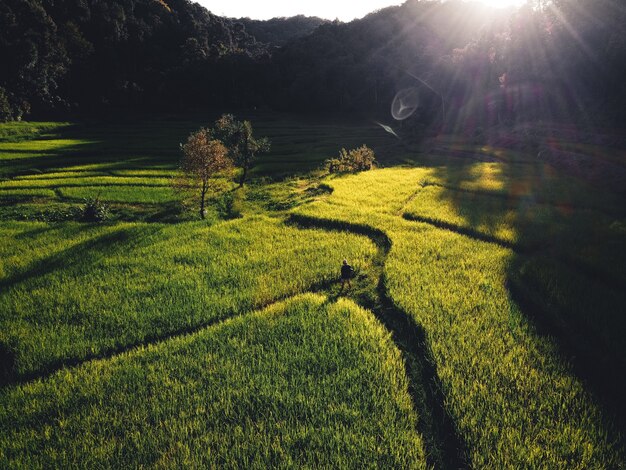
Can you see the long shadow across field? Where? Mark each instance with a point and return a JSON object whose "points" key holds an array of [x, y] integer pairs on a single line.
{"points": [[74, 258], [7, 356], [566, 273]]}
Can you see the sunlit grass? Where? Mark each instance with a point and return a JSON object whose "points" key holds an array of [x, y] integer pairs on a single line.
{"points": [[22, 130], [69, 292], [86, 180], [36, 148], [26, 193], [303, 383], [515, 401], [128, 194]]}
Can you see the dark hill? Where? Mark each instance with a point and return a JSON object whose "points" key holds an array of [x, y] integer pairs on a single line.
{"points": [[280, 31], [468, 66]]}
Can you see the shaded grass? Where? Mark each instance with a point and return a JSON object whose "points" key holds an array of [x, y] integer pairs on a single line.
{"points": [[569, 259], [303, 383], [589, 236], [132, 162], [515, 400]]}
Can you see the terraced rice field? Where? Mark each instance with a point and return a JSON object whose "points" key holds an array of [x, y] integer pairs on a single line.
{"points": [[483, 328]]}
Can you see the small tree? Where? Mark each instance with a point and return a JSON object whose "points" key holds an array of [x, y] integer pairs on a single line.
{"points": [[242, 145], [203, 158], [359, 159]]}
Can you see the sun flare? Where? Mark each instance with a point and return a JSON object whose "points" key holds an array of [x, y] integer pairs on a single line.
{"points": [[501, 3]]}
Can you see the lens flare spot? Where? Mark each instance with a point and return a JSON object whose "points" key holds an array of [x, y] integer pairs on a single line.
{"points": [[405, 103]]}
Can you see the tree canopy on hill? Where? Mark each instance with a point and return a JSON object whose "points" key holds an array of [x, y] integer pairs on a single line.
{"points": [[554, 60], [67, 53], [280, 31]]}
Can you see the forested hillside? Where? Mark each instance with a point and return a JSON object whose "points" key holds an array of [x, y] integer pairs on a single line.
{"points": [[467, 65], [279, 31], [66, 55]]}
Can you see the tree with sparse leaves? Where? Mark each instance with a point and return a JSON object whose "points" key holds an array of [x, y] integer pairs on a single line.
{"points": [[203, 158], [242, 145]]}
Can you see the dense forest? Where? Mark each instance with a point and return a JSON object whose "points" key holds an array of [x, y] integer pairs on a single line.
{"points": [[459, 64], [280, 31]]}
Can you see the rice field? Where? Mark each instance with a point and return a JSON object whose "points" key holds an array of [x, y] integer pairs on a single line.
{"points": [[483, 328], [305, 382], [515, 397], [71, 293]]}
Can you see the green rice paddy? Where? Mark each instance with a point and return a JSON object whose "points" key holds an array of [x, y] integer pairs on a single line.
{"points": [[483, 328]]}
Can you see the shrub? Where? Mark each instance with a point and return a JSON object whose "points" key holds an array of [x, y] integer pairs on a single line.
{"points": [[230, 205], [353, 161], [94, 210]]}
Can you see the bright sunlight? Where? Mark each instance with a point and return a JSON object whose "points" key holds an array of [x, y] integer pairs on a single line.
{"points": [[502, 3]]}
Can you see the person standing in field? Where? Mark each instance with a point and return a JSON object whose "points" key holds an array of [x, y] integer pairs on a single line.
{"points": [[346, 274]]}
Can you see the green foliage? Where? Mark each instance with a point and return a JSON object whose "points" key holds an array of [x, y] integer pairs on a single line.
{"points": [[143, 53], [94, 210], [34, 57], [353, 161], [58, 55], [280, 31], [6, 112], [230, 205], [13, 132], [242, 146]]}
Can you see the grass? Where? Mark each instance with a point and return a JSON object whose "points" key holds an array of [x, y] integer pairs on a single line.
{"points": [[515, 400], [17, 131], [305, 383], [507, 275], [565, 250], [72, 292], [132, 163], [528, 225]]}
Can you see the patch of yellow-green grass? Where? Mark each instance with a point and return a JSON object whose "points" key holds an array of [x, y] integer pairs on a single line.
{"points": [[71, 291], [151, 173], [516, 403], [22, 130], [35, 148], [84, 181], [304, 383], [58, 175], [26, 193], [125, 194]]}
